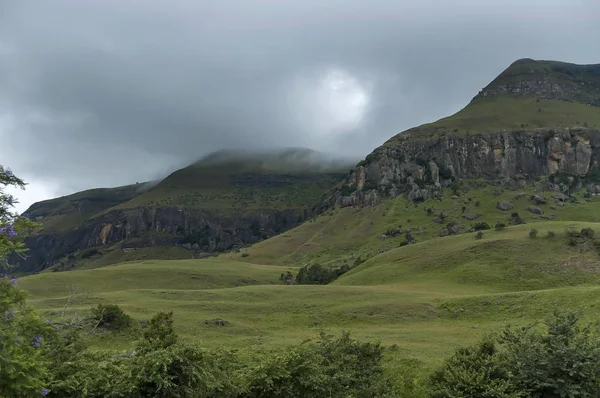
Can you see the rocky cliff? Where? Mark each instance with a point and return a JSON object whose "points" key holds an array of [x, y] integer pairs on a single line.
{"points": [[224, 201], [198, 231], [538, 118]]}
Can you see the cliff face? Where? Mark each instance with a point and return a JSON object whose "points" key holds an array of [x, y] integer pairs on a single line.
{"points": [[548, 80], [521, 124], [143, 227], [413, 165], [226, 200]]}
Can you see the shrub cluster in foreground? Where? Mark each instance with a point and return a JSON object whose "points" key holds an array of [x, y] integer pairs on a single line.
{"points": [[43, 358]]}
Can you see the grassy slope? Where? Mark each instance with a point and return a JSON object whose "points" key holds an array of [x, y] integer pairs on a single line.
{"points": [[237, 183], [67, 212], [424, 300], [342, 235], [509, 113]]}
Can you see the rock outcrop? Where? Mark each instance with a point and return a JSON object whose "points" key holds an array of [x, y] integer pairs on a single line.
{"points": [[411, 165], [166, 226]]}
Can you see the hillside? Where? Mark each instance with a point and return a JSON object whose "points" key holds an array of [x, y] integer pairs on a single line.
{"points": [[537, 119], [425, 298], [225, 200], [447, 232]]}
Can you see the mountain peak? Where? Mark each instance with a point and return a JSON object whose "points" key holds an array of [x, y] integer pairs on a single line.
{"points": [[547, 80]]}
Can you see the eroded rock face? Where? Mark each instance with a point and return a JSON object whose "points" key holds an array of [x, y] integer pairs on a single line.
{"points": [[143, 227], [410, 164]]}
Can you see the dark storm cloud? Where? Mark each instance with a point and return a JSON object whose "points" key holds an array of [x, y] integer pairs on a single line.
{"points": [[109, 92]]}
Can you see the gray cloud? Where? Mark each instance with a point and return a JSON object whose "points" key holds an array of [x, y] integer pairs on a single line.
{"points": [[102, 93]]}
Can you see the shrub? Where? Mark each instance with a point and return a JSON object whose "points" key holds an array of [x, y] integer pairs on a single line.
{"points": [[480, 226], [473, 372], [110, 316], [287, 278], [533, 233], [572, 241], [516, 219], [587, 232], [563, 360], [550, 234], [499, 226], [316, 274], [336, 368], [479, 235]]}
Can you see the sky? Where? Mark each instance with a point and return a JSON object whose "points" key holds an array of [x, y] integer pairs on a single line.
{"points": [[102, 93]]}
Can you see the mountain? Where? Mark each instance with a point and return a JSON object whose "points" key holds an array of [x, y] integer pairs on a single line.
{"points": [[536, 119], [225, 200]]}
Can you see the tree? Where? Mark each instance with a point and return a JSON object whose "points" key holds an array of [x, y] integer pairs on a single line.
{"points": [[23, 335]]}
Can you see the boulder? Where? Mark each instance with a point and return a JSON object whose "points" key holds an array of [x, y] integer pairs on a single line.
{"points": [[559, 196], [504, 205], [217, 322], [535, 210], [538, 200], [471, 216]]}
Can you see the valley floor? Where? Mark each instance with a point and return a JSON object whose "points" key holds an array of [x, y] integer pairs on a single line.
{"points": [[422, 300]]}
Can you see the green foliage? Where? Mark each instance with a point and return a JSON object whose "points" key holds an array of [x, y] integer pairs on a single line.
{"points": [[110, 316], [23, 336], [480, 226], [287, 278], [340, 367], [159, 367], [499, 226], [533, 233], [13, 228], [563, 360], [587, 233], [550, 234], [160, 332], [317, 274], [479, 235], [474, 372]]}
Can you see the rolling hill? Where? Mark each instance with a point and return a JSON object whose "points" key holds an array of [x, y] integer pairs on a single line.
{"points": [[225, 200], [451, 230]]}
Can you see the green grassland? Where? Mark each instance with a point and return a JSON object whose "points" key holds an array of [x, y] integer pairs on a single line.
{"points": [[426, 298], [343, 235], [508, 113]]}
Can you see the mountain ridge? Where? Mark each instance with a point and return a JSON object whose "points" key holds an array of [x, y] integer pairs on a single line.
{"points": [[222, 201], [536, 119]]}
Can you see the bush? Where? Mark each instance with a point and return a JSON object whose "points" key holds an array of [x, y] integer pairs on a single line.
{"points": [[563, 360], [473, 372], [287, 278], [110, 316], [318, 275], [533, 233], [499, 226], [479, 235], [480, 226], [587, 233], [550, 234], [330, 367]]}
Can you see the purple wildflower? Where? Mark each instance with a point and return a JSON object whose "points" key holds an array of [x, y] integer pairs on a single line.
{"points": [[36, 341], [45, 391], [13, 281], [8, 230]]}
